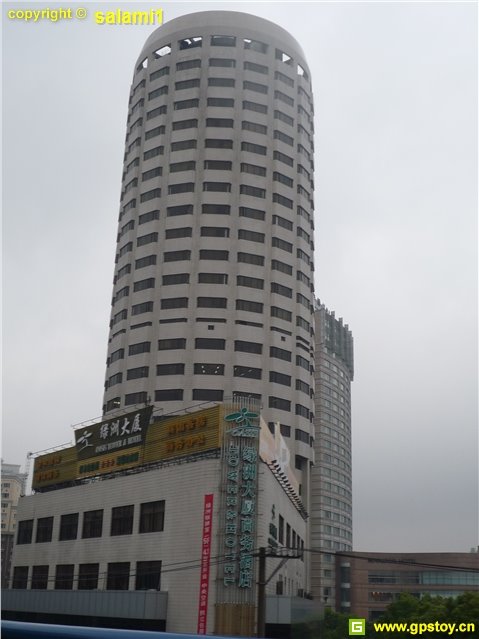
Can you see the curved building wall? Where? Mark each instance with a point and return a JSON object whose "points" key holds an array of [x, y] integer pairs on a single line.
{"points": [[331, 481], [213, 284]]}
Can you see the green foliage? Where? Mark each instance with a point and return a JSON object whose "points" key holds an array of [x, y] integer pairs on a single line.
{"points": [[332, 626]]}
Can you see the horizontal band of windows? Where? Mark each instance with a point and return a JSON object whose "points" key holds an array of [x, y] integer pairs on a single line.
{"points": [[212, 143], [175, 278], [280, 353], [158, 92], [116, 355], [283, 117], [213, 320], [186, 104], [248, 347], [170, 369], [248, 305], [174, 302], [279, 289], [218, 187], [148, 175], [253, 148], [158, 150], [246, 323], [188, 64], [253, 169], [136, 398], [251, 282], [254, 106], [246, 189], [220, 102], [161, 110], [176, 167], [150, 195], [211, 302], [222, 62], [216, 209], [172, 320], [137, 373], [277, 265], [183, 209], [279, 95], [187, 84], [281, 313], [279, 403], [153, 133], [141, 325], [214, 231], [257, 68], [146, 239], [145, 261], [176, 256], [185, 231], [124, 270], [255, 127], [280, 378], [284, 179], [281, 244], [255, 86], [209, 369], [220, 122], [212, 278], [183, 145], [250, 258], [282, 157], [144, 307], [221, 82], [252, 236], [192, 123], [169, 395], [140, 347], [254, 214], [185, 187], [142, 285], [283, 222], [160, 73], [171, 344], [210, 343], [210, 254], [218, 165]]}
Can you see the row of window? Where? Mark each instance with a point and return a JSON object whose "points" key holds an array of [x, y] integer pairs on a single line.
{"points": [[147, 576], [151, 519]]}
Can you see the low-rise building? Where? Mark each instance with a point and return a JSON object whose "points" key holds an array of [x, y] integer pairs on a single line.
{"points": [[13, 484]]}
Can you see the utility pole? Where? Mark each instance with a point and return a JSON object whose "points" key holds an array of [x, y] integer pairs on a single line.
{"points": [[261, 593]]}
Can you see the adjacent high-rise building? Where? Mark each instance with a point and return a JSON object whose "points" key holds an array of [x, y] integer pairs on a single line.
{"points": [[331, 482], [213, 283]]}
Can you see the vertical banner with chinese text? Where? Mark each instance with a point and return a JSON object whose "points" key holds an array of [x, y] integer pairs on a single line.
{"points": [[205, 564]]}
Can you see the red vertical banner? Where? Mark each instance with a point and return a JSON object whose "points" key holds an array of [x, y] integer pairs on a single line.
{"points": [[205, 564]]}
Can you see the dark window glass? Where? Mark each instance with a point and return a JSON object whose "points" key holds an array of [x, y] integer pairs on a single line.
{"points": [[247, 371], [304, 363], [284, 179], [122, 520], [253, 148], [170, 369], [212, 278], [183, 145], [248, 347], [279, 243], [137, 373], [140, 347], [216, 209], [44, 529], [279, 289], [210, 254], [116, 355], [185, 231], [112, 404], [215, 231], [118, 576], [176, 256], [175, 278], [210, 343], [169, 395], [64, 576], [20, 577], [277, 155], [183, 209], [252, 236], [185, 124], [279, 115], [190, 43], [221, 82], [174, 302], [254, 86], [88, 576], [136, 398], [276, 265], [220, 122], [148, 575], [209, 369], [223, 41], [176, 167], [280, 353], [220, 102], [144, 307], [255, 127], [211, 302], [251, 282], [144, 284], [250, 258], [186, 187], [280, 378], [258, 68], [150, 195], [186, 104], [219, 187], [188, 64], [161, 110], [92, 524], [25, 530], [302, 411], [148, 217], [254, 106], [255, 214], [247, 305], [253, 169], [146, 239], [151, 153], [145, 261], [124, 270], [255, 45], [158, 74], [39, 578], [68, 526], [212, 143], [171, 343], [157, 92], [281, 313], [148, 175], [152, 133], [278, 402], [218, 165], [187, 84], [207, 395], [222, 62], [152, 516]]}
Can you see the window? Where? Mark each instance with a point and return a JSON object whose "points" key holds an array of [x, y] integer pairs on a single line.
{"points": [[25, 530], [250, 258], [222, 62], [170, 369], [150, 195], [209, 369], [144, 307], [254, 106], [140, 347], [115, 379], [302, 233], [92, 524], [171, 344], [176, 256], [183, 209], [254, 191], [112, 404], [284, 179], [118, 576], [185, 124], [247, 305], [176, 167], [160, 73], [210, 254], [147, 239], [280, 353], [122, 520], [148, 217], [148, 575], [188, 64], [40, 578], [221, 82], [283, 78], [148, 175], [247, 371], [161, 110], [284, 223], [169, 395], [44, 529], [279, 243], [301, 299], [115, 356], [212, 278], [216, 209], [254, 86], [303, 411], [253, 148], [187, 84], [257, 68], [125, 249], [210, 343], [253, 169], [279, 115], [211, 302], [218, 165], [211, 143], [64, 577], [20, 577], [174, 302], [280, 378], [303, 387], [220, 122], [152, 133], [220, 102], [88, 576], [223, 41], [136, 398], [175, 278], [215, 231], [279, 403], [185, 187], [183, 145], [137, 373], [122, 315], [142, 285], [304, 363], [158, 150], [255, 45], [252, 236], [255, 214], [207, 395], [69, 526], [255, 127], [276, 265], [158, 92], [219, 187], [279, 135], [279, 289], [190, 43], [185, 231], [186, 104], [251, 282]]}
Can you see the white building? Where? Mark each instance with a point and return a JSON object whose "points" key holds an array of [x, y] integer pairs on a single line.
{"points": [[13, 485]]}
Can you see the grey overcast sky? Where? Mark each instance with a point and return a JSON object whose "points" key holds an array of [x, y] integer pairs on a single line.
{"points": [[395, 88]]}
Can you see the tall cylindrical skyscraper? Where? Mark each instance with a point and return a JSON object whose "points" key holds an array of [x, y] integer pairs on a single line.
{"points": [[213, 283]]}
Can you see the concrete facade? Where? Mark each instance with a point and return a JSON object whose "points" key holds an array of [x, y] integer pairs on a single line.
{"points": [[213, 284], [331, 477], [13, 485], [367, 583]]}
